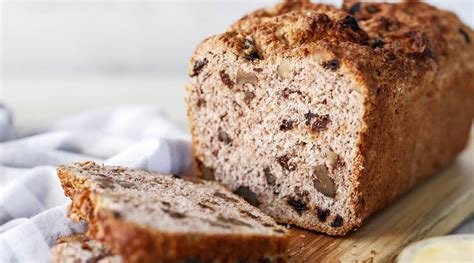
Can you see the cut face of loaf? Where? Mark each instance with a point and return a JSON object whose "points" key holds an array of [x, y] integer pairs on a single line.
{"points": [[146, 216], [321, 119], [286, 132]]}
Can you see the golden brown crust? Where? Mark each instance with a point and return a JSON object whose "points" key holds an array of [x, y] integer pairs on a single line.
{"points": [[399, 38], [418, 110], [137, 244], [415, 64]]}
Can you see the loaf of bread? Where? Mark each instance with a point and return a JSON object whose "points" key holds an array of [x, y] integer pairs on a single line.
{"points": [[151, 217], [80, 249], [327, 115]]}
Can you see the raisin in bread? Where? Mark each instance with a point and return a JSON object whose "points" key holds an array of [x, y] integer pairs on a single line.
{"points": [[145, 216], [80, 249], [326, 115]]}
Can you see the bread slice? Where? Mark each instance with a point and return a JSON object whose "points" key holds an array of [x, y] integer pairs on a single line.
{"points": [[146, 216], [80, 249], [326, 115]]}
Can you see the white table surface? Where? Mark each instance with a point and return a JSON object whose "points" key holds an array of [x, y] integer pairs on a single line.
{"points": [[36, 100]]}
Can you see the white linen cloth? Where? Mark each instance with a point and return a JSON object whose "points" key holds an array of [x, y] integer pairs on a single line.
{"points": [[32, 202]]}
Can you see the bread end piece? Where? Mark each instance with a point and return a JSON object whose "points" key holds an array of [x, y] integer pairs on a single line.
{"points": [[133, 212]]}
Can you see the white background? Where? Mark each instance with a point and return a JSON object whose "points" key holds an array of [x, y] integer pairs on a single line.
{"points": [[62, 57]]}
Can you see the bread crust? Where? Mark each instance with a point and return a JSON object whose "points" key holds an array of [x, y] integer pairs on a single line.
{"points": [[137, 243], [414, 64]]}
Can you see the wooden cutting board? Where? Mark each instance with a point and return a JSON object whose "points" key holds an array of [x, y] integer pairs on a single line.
{"points": [[434, 208]]}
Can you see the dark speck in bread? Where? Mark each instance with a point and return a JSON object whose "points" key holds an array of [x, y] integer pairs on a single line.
{"points": [[355, 8], [332, 64], [198, 66]]}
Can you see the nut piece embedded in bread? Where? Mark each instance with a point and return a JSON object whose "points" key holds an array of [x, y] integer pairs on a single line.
{"points": [[331, 114], [148, 216]]}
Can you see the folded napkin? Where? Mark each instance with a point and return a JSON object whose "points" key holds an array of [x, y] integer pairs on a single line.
{"points": [[32, 203]]}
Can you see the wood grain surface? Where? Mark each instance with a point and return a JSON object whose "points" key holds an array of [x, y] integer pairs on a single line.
{"points": [[433, 208]]}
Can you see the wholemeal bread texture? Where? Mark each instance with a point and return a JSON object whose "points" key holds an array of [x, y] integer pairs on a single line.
{"points": [[327, 115], [152, 217]]}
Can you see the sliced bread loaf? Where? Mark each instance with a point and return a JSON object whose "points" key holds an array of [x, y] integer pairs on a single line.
{"points": [[145, 216], [327, 115]]}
